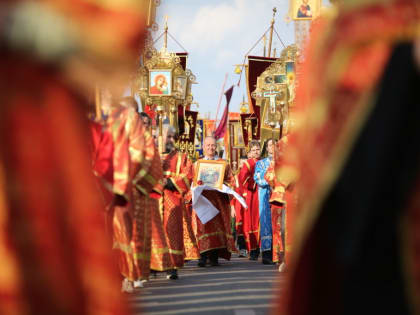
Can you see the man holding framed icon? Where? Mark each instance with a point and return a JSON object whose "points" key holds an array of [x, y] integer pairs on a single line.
{"points": [[214, 237]]}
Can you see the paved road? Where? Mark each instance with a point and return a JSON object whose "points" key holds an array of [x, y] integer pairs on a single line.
{"points": [[237, 287]]}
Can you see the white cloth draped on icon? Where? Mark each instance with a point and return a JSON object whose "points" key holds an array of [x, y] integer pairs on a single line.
{"points": [[204, 208]]}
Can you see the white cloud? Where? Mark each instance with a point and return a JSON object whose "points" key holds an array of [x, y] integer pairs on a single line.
{"points": [[212, 25]]}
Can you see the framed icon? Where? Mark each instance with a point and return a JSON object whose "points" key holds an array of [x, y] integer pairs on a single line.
{"points": [[180, 86], [160, 82], [210, 173], [305, 9], [238, 137]]}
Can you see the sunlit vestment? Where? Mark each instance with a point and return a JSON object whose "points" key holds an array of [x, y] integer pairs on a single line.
{"points": [[357, 237], [283, 204], [55, 257], [161, 258], [251, 215], [52, 235], [217, 233], [191, 251], [136, 173], [102, 149], [239, 210], [124, 126], [146, 191], [264, 192], [177, 168]]}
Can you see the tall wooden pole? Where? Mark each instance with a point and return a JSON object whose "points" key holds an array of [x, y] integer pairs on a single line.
{"points": [[160, 137], [165, 43], [265, 46]]}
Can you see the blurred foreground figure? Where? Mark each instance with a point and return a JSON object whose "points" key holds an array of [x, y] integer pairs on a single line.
{"points": [[55, 258], [357, 239], [282, 202]]}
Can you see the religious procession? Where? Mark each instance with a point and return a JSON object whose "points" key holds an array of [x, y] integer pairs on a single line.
{"points": [[272, 167]]}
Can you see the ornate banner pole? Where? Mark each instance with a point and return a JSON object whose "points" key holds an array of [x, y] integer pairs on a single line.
{"points": [[271, 33]]}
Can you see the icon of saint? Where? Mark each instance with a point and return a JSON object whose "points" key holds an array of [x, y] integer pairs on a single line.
{"points": [[160, 85], [304, 10]]}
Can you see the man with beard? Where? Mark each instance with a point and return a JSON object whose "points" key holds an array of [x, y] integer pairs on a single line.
{"points": [[177, 170]]}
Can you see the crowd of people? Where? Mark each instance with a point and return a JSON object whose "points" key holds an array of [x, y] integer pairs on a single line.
{"points": [[148, 198]]}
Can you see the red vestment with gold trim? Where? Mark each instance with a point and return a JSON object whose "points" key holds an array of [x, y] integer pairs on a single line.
{"points": [[177, 168], [191, 251], [160, 256], [216, 234], [239, 210], [136, 173], [52, 236], [251, 215], [356, 210], [146, 215]]}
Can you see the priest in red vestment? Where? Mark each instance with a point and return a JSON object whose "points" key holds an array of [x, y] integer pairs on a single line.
{"points": [[239, 216], [148, 245], [177, 168], [128, 148], [250, 193], [215, 237]]}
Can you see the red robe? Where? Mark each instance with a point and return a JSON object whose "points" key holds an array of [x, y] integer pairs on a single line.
{"points": [[52, 236], [239, 210], [251, 215], [55, 256], [102, 146], [134, 177], [160, 256], [280, 200], [357, 243], [177, 168], [147, 189], [216, 234], [191, 251]]}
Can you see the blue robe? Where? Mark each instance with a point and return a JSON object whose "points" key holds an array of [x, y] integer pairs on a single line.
{"points": [[264, 192]]}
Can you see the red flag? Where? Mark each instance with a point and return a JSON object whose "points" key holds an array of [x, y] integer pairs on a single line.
{"points": [[221, 128]]}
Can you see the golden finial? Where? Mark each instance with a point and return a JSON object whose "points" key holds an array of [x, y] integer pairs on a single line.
{"points": [[243, 106]]}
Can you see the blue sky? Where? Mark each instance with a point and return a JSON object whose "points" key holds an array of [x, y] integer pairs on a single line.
{"points": [[217, 34]]}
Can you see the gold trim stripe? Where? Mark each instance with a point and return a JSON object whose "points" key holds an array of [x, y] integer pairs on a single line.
{"points": [[176, 252], [178, 164], [129, 250], [213, 234]]}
